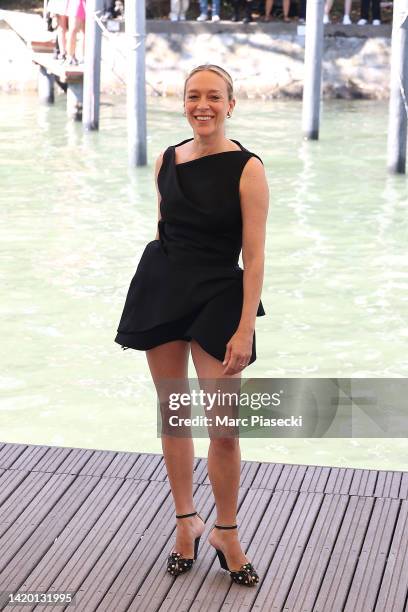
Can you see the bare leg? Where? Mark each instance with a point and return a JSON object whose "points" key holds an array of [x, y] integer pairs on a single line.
{"points": [[224, 458], [74, 28], [268, 9], [328, 6], [170, 360], [347, 7], [286, 7], [62, 33]]}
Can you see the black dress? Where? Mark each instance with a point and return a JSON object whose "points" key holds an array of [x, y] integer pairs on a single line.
{"points": [[188, 283]]}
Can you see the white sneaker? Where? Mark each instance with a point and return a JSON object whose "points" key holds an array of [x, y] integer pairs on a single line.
{"points": [[182, 17], [376, 22], [346, 20], [362, 22], [326, 19], [215, 18], [173, 17], [202, 17]]}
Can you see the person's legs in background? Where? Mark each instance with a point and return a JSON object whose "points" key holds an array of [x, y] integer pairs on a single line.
{"points": [[62, 27], [235, 9], [203, 16], [249, 7], [364, 8], [286, 9], [376, 8]]}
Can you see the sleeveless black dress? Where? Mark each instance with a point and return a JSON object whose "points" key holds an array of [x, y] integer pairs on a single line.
{"points": [[188, 283]]}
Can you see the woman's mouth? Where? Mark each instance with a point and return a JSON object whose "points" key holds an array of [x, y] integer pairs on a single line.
{"points": [[203, 118]]}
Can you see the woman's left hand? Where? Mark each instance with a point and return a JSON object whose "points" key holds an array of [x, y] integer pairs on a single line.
{"points": [[238, 353]]}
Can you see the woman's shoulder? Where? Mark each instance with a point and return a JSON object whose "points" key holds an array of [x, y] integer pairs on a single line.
{"points": [[248, 152]]}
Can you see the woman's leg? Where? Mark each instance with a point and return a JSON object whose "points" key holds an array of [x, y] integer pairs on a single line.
{"points": [[224, 458], [170, 361], [286, 8], [268, 9], [62, 33], [74, 27]]}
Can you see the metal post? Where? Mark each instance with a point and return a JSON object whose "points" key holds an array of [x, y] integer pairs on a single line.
{"points": [[135, 27], [312, 69], [398, 107], [92, 66]]}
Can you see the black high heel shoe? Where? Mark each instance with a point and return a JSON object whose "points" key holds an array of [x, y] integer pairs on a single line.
{"points": [[246, 575], [176, 564]]}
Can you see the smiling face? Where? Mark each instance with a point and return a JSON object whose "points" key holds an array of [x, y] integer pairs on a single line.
{"points": [[206, 102]]}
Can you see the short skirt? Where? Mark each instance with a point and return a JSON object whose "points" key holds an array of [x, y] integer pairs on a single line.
{"points": [[200, 326]]}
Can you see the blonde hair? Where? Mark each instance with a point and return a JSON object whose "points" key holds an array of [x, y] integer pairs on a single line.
{"points": [[218, 70]]}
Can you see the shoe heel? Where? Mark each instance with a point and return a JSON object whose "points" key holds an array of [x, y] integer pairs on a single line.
{"points": [[196, 544], [222, 559]]}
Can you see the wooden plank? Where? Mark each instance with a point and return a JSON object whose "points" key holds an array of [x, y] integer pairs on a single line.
{"points": [[122, 465], [64, 72], [10, 480], [394, 585], [90, 541], [75, 461], [388, 484], [52, 459], [340, 480], [277, 581], [28, 459], [9, 453], [316, 554], [44, 538], [18, 520], [175, 594], [291, 478], [315, 479], [371, 563], [267, 476], [128, 538], [264, 546], [143, 581], [363, 482], [340, 570], [81, 519], [20, 494]]}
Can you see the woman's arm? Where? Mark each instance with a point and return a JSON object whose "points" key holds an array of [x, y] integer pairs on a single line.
{"points": [[254, 196], [157, 167]]}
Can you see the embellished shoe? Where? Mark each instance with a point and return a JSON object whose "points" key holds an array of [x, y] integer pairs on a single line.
{"points": [[176, 564], [246, 575]]}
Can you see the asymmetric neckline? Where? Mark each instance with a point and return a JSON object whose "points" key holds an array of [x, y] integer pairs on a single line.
{"points": [[190, 161]]}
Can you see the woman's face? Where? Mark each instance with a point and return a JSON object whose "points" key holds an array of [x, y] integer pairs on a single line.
{"points": [[206, 102]]}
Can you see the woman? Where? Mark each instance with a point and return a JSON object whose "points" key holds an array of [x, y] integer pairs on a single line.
{"points": [[269, 7], [76, 13], [59, 9], [188, 291]]}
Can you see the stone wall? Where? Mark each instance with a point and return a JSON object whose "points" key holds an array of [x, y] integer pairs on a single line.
{"points": [[265, 60]]}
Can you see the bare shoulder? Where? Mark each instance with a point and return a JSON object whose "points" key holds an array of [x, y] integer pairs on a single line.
{"points": [[253, 168], [158, 163]]}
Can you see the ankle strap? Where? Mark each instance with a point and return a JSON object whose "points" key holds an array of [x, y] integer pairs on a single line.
{"points": [[185, 515], [226, 526]]}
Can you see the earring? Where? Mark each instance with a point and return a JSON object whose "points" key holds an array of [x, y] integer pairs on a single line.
{"points": [[229, 115]]}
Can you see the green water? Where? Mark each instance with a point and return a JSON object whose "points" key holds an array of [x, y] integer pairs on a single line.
{"points": [[75, 222]]}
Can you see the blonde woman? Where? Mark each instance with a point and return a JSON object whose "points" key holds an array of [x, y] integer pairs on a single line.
{"points": [[189, 294]]}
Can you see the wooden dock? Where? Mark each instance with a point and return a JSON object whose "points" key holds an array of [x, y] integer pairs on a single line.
{"points": [[101, 523], [40, 43]]}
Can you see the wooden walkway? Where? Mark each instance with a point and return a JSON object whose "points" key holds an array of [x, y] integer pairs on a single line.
{"points": [[101, 523]]}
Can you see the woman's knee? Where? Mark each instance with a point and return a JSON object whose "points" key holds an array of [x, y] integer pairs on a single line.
{"points": [[227, 444]]}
